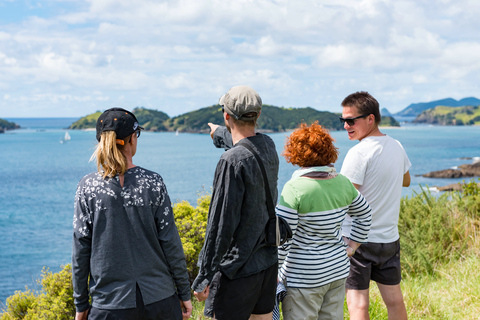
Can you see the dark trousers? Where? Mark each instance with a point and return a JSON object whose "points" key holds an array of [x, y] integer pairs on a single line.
{"points": [[166, 309]]}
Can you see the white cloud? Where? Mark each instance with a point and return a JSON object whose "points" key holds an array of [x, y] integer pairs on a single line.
{"points": [[181, 55]]}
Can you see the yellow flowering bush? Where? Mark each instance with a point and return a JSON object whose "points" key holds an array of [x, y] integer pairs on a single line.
{"points": [[191, 224]]}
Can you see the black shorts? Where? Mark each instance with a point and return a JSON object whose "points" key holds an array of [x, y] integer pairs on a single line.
{"points": [[166, 309], [379, 262], [237, 299]]}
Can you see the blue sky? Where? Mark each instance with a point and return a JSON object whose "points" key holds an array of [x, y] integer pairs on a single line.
{"points": [[68, 58]]}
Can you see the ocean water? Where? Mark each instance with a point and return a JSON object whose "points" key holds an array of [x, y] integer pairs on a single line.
{"points": [[38, 178]]}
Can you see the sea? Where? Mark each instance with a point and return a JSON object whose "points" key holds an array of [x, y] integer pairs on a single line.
{"points": [[39, 172]]}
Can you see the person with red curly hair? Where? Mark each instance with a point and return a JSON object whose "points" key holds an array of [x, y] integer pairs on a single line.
{"points": [[314, 264]]}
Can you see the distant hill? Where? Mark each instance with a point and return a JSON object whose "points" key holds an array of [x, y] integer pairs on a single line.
{"points": [[151, 120], [388, 121], [442, 115], [273, 119], [385, 112], [416, 108], [86, 122], [6, 125]]}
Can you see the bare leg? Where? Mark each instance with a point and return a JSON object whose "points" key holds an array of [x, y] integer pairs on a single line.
{"points": [[393, 298], [266, 316], [357, 302]]}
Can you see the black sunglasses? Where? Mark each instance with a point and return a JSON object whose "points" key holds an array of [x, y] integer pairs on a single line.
{"points": [[351, 121], [138, 133]]}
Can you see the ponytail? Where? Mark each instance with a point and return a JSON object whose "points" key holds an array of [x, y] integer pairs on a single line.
{"points": [[110, 159]]}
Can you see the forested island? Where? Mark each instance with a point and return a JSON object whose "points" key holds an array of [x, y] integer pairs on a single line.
{"points": [[273, 119], [415, 109], [6, 125], [457, 116]]}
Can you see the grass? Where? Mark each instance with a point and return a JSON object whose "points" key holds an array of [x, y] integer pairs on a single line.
{"points": [[453, 293]]}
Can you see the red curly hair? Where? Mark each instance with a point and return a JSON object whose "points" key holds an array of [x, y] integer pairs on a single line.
{"points": [[310, 146]]}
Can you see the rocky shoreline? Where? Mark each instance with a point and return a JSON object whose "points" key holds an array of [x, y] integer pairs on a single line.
{"points": [[463, 171]]}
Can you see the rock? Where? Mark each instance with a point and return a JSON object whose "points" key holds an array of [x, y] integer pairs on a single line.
{"points": [[453, 187], [444, 174], [465, 170]]}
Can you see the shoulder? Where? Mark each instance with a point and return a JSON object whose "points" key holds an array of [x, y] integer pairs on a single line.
{"points": [[394, 141], [92, 178], [358, 150], [145, 176], [142, 172], [345, 183]]}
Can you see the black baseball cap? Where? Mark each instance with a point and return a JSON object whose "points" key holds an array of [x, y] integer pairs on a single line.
{"points": [[122, 121]]}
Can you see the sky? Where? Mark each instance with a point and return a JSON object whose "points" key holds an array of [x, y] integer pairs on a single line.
{"points": [[70, 58]]}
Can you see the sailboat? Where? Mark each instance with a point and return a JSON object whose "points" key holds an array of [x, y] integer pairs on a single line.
{"points": [[66, 137]]}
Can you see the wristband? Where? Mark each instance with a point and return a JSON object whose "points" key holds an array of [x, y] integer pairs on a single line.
{"points": [[352, 250]]}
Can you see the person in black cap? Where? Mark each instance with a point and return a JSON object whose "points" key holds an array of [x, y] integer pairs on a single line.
{"points": [[127, 254], [238, 271]]}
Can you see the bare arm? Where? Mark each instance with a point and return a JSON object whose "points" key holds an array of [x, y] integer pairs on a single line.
{"points": [[352, 246], [357, 186], [406, 179]]}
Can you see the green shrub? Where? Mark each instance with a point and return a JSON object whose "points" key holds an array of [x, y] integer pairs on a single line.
{"points": [[469, 200], [192, 224], [434, 230], [54, 301]]}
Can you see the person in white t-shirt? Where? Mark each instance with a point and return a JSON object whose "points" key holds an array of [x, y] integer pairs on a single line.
{"points": [[378, 167]]}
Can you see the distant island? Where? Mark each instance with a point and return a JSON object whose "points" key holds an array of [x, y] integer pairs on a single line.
{"points": [[5, 125], [415, 109], [273, 119], [443, 115]]}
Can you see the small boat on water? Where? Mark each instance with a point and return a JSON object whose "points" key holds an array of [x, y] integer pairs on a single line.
{"points": [[66, 138]]}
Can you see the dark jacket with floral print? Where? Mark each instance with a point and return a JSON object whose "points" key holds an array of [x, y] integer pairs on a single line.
{"points": [[124, 237]]}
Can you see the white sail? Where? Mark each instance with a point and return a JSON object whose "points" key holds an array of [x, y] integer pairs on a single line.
{"points": [[67, 136]]}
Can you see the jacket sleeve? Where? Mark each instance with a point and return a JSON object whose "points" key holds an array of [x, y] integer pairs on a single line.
{"points": [[361, 214], [287, 208], [222, 138], [223, 219], [81, 250], [172, 246]]}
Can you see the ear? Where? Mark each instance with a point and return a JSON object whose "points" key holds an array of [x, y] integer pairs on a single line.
{"points": [[371, 118], [131, 138], [226, 116]]}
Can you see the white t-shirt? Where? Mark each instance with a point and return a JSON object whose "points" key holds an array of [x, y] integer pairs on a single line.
{"points": [[378, 164]]}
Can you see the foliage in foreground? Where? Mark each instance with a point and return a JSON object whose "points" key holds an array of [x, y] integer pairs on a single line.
{"points": [[191, 224], [440, 257], [54, 301], [436, 230]]}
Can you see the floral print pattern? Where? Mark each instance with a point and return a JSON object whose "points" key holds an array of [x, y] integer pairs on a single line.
{"points": [[93, 191]]}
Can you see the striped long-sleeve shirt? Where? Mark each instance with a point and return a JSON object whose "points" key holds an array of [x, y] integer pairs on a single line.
{"points": [[315, 210]]}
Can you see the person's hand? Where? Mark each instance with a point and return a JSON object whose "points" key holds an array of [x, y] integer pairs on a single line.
{"points": [[213, 127], [202, 296], [81, 315], [186, 308], [350, 251]]}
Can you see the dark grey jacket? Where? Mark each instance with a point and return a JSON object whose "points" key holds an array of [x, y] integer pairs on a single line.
{"points": [[123, 237], [235, 237]]}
